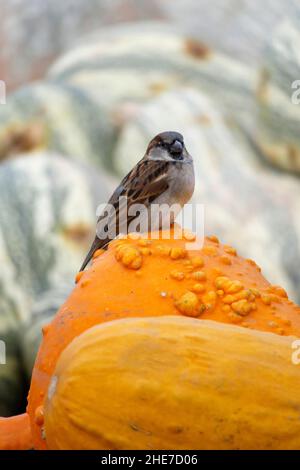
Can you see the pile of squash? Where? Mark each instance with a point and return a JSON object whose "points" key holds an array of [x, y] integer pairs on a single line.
{"points": [[162, 346], [214, 100]]}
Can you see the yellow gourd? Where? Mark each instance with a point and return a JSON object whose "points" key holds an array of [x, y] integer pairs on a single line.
{"points": [[174, 383]]}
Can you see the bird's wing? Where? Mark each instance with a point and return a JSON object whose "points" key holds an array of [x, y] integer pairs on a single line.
{"points": [[148, 180]]}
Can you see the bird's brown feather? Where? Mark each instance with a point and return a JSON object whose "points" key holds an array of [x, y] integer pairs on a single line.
{"points": [[142, 185]]}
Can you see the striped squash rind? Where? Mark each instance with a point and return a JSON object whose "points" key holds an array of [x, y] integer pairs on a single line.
{"points": [[277, 131], [47, 207], [74, 122]]}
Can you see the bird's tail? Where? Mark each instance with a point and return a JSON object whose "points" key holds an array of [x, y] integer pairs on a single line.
{"points": [[97, 244]]}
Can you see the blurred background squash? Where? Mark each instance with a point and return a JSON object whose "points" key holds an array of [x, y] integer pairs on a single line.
{"points": [[66, 117], [47, 206], [238, 28], [277, 131]]}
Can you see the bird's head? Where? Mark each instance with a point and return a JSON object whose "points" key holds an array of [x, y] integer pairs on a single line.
{"points": [[168, 146]]}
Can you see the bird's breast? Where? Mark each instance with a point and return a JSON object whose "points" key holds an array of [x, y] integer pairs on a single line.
{"points": [[182, 183]]}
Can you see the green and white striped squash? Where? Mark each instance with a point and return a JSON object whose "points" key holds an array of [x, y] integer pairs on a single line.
{"points": [[102, 82], [47, 207], [91, 92], [277, 131], [55, 24], [128, 64], [73, 120], [238, 28]]}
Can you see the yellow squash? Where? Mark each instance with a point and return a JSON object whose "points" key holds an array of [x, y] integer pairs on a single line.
{"points": [[174, 383]]}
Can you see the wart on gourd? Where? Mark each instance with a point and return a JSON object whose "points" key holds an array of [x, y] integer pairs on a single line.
{"points": [[132, 257], [129, 256], [236, 300]]}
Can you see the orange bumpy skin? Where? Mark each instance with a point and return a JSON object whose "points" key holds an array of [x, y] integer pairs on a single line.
{"points": [[137, 277], [15, 433]]}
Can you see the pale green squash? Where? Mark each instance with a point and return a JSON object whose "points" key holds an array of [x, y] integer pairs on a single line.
{"points": [[47, 207], [100, 84], [277, 132], [73, 121]]}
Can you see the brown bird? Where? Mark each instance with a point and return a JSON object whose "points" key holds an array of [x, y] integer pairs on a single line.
{"points": [[165, 175]]}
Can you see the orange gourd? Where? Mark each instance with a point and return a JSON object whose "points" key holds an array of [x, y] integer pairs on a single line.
{"points": [[137, 277], [15, 433]]}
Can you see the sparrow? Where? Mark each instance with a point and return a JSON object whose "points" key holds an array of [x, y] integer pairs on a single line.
{"points": [[164, 176]]}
